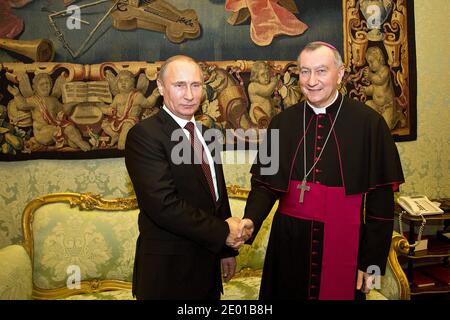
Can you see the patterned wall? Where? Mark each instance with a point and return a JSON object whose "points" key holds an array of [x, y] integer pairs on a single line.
{"points": [[26, 180], [426, 162]]}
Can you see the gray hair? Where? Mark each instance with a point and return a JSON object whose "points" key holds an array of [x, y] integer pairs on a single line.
{"points": [[312, 46]]}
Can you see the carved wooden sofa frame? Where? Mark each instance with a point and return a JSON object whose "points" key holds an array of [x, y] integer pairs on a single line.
{"points": [[245, 285]]}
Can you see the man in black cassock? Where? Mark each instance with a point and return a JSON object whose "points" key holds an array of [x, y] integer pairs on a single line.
{"points": [[337, 173]]}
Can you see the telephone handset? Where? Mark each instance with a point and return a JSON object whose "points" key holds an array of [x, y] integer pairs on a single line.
{"points": [[418, 205]]}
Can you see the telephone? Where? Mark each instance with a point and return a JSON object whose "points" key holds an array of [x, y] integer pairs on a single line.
{"points": [[418, 205]]}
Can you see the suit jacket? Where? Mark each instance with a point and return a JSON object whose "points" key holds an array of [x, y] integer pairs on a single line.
{"points": [[182, 228]]}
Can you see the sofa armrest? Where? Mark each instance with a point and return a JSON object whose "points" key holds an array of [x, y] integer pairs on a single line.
{"points": [[15, 274], [394, 284]]}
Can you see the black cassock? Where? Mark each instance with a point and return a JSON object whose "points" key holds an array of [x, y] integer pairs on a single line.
{"points": [[361, 158]]}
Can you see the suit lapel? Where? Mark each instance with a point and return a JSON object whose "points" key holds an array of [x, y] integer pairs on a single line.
{"points": [[169, 126]]}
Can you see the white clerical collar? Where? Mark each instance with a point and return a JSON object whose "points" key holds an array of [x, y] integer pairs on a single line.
{"points": [[323, 110], [181, 122]]}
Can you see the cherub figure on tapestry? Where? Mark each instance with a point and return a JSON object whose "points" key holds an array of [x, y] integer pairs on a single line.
{"points": [[381, 88], [263, 104], [225, 102], [127, 107], [49, 116]]}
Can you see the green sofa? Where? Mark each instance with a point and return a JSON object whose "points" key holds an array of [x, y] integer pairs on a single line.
{"points": [[81, 247]]}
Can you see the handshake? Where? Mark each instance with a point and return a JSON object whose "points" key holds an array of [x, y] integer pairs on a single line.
{"points": [[240, 231]]}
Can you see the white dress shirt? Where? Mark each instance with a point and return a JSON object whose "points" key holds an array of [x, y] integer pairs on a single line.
{"points": [[182, 123]]}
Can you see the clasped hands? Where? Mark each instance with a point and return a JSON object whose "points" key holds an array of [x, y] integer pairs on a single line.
{"points": [[240, 231]]}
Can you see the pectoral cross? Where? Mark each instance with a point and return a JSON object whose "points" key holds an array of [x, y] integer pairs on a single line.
{"points": [[303, 188]]}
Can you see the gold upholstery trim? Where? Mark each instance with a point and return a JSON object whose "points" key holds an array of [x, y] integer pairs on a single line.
{"points": [[399, 245], [248, 272], [89, 287], [237, 192], [86, 202]]}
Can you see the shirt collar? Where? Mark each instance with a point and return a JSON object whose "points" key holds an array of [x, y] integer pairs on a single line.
{"points": [[323, 109], [181, 122]]}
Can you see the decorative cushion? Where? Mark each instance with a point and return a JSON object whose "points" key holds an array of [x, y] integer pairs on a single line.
{"points": [[242, 288], [101, 243], [389, 286], [375, 295], [15, 274]]}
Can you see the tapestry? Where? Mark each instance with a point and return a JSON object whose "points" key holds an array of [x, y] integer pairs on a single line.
{"points": [[59, 93]]}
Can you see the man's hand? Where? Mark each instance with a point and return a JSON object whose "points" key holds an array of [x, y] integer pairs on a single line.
{"points": [[228, 268], [233, 239], [240, 231], [362, 281], [246, 229]]}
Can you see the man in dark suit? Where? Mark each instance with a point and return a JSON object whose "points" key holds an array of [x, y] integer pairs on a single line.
{"points": [[185, 223]]}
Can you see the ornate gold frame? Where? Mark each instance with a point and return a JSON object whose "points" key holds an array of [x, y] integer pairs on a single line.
{"points": [[399, 245], [84, 202], [237, 192]]}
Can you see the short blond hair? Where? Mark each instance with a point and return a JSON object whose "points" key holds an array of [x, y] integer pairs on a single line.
{"points": [[163, 69]]}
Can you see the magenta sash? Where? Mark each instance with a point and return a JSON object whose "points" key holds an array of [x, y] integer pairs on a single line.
{"points": [[341, 217]]}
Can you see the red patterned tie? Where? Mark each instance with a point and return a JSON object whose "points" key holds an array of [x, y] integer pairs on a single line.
{"points": [[199, 152]]}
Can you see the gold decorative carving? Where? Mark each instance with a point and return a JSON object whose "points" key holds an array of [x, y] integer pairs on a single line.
{"points": [[74, 71], [86, 201], [97, 123], [86, 287], [399, 245], [237, 192], [248, 272]]}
